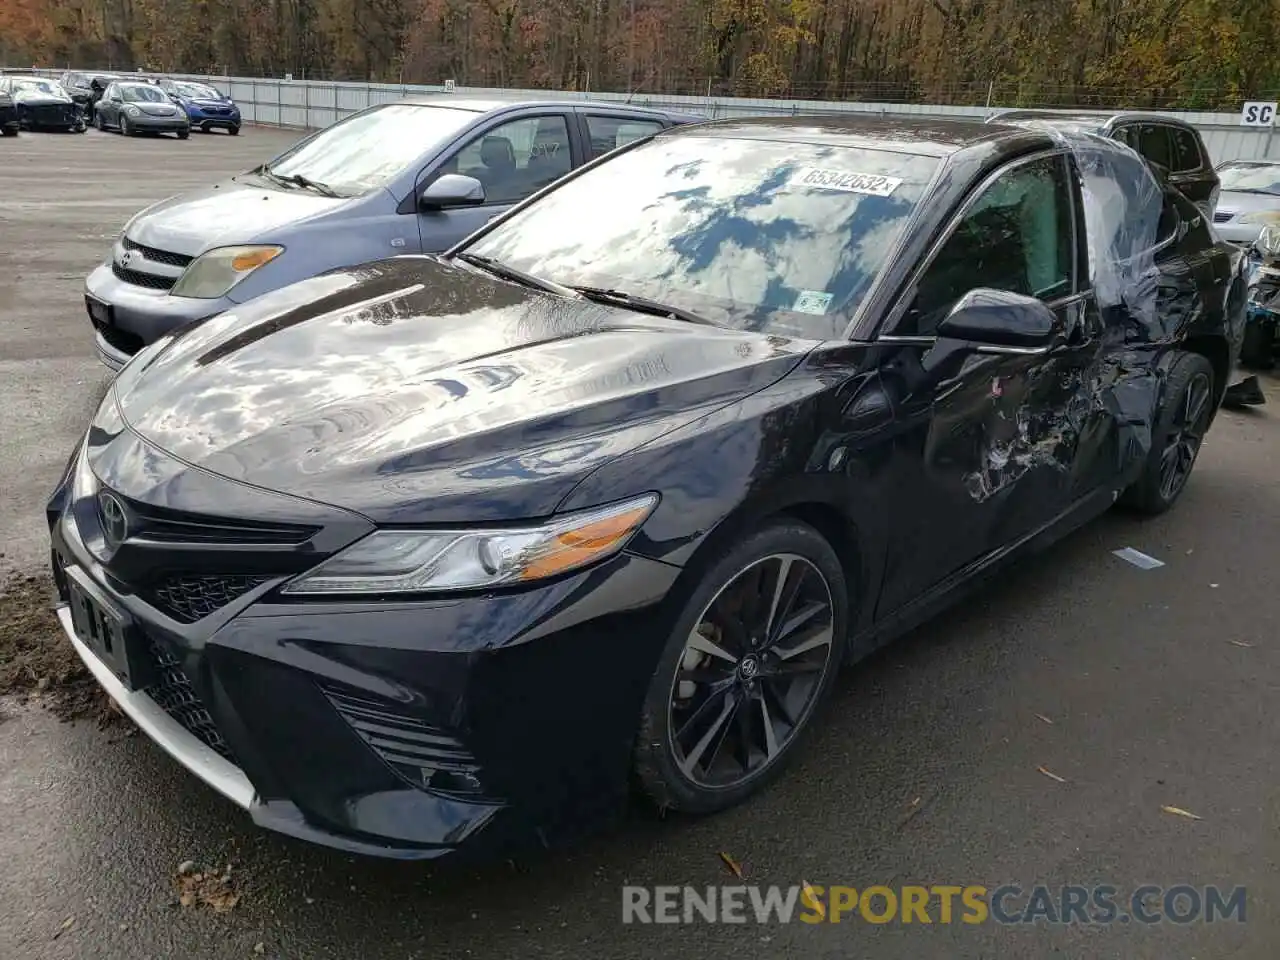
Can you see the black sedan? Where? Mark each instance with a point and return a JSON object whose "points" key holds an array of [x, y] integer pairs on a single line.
{"points": [[42, 104], [444, 554], [133, 107]]}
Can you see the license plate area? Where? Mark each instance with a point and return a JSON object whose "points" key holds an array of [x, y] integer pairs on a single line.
{"points": [[99, 312], [109, 632]]}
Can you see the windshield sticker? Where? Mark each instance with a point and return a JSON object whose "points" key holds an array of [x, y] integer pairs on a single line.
{"points": [[812, 301], [868, 183]]}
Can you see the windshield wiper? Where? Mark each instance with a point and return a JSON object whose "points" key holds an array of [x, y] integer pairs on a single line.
{"points": [[298, 180], [641, 304], [499, 269]]}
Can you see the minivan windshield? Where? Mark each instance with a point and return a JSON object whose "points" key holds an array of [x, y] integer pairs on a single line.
{"points": [[1251, 177], [365, 151], [781, 238]]}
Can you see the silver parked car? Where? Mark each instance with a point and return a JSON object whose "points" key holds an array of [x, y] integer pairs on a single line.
{"points": [[1250, 192], [415, 176]]}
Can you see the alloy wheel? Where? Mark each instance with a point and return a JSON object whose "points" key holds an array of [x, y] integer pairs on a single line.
{"points": [[1182, 445], [751, 671]]}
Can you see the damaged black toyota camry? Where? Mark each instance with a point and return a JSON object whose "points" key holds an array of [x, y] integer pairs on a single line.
{"points": [[452, 554]]}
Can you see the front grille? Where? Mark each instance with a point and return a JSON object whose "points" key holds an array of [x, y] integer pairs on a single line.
{"points": [[149, 280], [188, 598], [427, 756], [177, 697], [51, 114], [1222, 217], [119, 339], [159, 256]]}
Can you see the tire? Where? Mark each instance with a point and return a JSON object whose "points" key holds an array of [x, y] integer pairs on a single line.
{"points": [[125, 129], [9, 131], [234, 131], [1258, 350], [97, 122], [184, 134], [1151, 493], [678, 715]]}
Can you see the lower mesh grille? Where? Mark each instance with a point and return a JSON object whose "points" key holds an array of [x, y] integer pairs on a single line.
{"points": [[191, 598], [175, 695], [427, 756]]}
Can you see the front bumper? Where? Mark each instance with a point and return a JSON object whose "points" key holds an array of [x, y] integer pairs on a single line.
{"points": [[473, 726], [137, 316], [159, 124], [224, 121]]}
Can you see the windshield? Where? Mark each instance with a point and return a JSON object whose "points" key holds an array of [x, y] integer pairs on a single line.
{"points": [[1259, 177], [778, 237], [197, 90], [42, 86], [143, 94], [368, 149]]}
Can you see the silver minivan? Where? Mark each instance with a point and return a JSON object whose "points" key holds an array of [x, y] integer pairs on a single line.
{"points": [[412, 176]]}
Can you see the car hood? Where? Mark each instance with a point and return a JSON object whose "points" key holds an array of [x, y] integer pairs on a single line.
{"points": [[203, 103], [35, 97], [414, 390], [1236, 203], [232, 211]]}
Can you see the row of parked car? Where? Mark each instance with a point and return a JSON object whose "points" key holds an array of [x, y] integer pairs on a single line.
{"points": [[475, 463], [129, 103]]}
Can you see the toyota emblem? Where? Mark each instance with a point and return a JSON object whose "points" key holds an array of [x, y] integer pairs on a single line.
{"points": [[115, 522]]}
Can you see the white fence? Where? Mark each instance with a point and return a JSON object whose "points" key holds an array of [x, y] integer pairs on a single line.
{"points": [[311, 104]]}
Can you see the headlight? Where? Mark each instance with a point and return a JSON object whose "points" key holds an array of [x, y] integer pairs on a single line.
{"points": [[428, 561], [131, 110], [213, 274]]}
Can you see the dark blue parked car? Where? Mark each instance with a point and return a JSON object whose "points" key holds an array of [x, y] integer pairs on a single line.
{"points": [[207, 107]]}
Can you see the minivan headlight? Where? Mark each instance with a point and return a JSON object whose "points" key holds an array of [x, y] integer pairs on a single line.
{"points": [[214, 273], [428, 561]]}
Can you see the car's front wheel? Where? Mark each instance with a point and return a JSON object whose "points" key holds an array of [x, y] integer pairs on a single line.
{"points": [[126, 128], [1181, 423], [753, 653]]}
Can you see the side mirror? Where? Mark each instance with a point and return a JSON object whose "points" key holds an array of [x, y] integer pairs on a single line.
{"points": [[452, 190], [997, 318]]}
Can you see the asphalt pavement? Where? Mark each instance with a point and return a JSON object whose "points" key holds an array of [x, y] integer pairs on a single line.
{"points": [[1031, 736]]}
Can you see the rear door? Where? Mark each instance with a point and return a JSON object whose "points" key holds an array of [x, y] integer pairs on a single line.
{"points": [[512, 159], [1191, 172]]}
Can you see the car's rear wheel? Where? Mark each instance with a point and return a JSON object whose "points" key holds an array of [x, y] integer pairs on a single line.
{"points": [[9, 131], [752, 655], [1181, 424]]}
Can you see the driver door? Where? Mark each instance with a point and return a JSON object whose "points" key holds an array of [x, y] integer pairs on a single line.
{"points": [[109, 105], [512, 161], [989, 435]]}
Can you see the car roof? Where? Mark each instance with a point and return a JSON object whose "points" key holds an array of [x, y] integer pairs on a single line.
{"points": [[1081, 118], [923, 136], [484, 104]]}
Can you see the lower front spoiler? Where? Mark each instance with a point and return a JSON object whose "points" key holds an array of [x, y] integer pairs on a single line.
{"points": [[223, 776]]}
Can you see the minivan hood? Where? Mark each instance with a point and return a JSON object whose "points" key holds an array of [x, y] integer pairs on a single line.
{"points": [[1235, 203], [232, 211], [416, 390]]}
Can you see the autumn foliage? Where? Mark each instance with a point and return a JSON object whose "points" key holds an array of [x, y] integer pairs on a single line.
{"points": [[1190, 53]]}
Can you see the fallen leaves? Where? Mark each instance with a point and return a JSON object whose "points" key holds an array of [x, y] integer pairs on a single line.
{"points": [[1241, 643], [1051, 775], [734, 867], [198, 887], [1041, 717], [1179, 812], [66, 925]]}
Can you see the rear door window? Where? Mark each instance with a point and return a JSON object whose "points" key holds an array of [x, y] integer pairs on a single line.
{"points": [[609, 133], [1153, 143], [1186, 151]]}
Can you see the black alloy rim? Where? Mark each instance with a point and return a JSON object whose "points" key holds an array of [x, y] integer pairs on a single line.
{"points": [[751, 671], [1183, 443]]}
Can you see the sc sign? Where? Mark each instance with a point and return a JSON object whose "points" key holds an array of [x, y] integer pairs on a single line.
{"points": [[1258, 114]]}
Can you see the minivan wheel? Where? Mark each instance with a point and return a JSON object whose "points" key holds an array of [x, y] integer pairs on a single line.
{"points": [[1181, 424], [753, 654]]}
